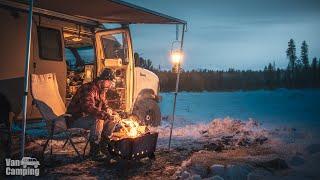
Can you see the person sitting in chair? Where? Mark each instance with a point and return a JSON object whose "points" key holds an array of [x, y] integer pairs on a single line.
{"points": [[89, 108]]}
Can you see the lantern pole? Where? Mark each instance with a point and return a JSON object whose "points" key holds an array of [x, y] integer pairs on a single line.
{"points": [[178, 66], [26, 77]]}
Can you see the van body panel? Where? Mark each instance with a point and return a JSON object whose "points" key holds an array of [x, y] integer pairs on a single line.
{"points": [[12, 59], [145, 80], [13, 43]]}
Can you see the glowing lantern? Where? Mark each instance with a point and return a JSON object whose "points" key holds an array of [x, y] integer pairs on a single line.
{"points": [[176, 57]]}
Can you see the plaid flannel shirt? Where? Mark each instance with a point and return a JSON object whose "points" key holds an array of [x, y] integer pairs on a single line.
{"points": [[88, 101]]}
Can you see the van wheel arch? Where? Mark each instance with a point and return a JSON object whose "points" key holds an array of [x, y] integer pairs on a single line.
{"points": [[147, 108], [146, 93]]}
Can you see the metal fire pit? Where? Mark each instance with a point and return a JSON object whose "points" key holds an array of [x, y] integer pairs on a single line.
{"points": [[134, 148]]}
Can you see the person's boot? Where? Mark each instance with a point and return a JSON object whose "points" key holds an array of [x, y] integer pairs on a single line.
{"points": [[94, 149], [95, 152]]}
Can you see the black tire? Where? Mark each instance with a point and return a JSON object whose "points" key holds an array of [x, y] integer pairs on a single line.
{"points": [[148, 112]]}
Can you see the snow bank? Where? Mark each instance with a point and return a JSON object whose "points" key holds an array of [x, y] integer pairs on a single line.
{"points": [[226, 131], [216, 128]]}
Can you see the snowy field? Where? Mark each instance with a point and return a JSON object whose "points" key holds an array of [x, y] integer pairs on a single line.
{"points": [[290, 108], [286, 123], [217, 135]]}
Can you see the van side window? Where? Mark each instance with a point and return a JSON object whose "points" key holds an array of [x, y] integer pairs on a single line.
{"points": [[50, 46]]}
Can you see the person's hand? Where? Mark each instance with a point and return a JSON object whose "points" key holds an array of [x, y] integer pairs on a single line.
{"points": [[116, 117], [109, 111], [113, 85]]}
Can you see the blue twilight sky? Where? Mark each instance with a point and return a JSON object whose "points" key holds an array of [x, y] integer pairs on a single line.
{"points": [[222, 34]]}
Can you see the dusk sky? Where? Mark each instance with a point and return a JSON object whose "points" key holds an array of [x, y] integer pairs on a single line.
{"points": [[222, 34]]}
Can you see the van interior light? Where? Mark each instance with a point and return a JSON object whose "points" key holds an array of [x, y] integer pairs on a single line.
{"points": [[76, 39], [67, 35]]}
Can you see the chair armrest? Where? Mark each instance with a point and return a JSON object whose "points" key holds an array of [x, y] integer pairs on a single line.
{"points": [[63, 115]]}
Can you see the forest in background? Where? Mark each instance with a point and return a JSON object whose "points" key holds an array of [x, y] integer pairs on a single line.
{"points": [[301, 72]]}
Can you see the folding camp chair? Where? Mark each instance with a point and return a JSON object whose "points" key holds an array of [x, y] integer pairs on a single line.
{"points": [[46, 97]]}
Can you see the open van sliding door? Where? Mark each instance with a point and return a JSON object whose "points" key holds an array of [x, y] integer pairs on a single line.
{"points": [[114, 51]]}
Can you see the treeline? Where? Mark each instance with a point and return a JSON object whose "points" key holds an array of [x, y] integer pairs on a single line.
{"points": [[300, 73]]}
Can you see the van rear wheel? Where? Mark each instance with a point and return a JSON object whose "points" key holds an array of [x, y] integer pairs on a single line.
{"points": [[148, 112]]}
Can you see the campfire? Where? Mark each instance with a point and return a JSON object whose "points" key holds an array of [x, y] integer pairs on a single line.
{"points": [[128, 128], [130, 140]]}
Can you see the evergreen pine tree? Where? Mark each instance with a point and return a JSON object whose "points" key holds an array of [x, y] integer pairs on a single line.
{"points": [[314, 72], [149, 65], [318, 79], [291, 55], [136, 59], [314, 64], [304, 55]]}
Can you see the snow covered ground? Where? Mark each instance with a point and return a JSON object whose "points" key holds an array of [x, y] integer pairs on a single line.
{"points": [[230, 135], [282, 107], [287, 122]]}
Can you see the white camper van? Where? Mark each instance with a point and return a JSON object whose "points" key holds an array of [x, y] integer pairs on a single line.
{"points": [[69, 38]]}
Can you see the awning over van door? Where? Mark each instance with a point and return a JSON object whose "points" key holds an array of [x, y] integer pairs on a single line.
{"points": [[106, 11]]}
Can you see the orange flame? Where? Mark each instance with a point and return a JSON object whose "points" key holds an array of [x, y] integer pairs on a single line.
{"points": [[130, 129]]}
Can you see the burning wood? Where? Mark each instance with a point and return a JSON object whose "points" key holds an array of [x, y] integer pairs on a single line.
{"points": [[128, 128], [130, 140]]}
